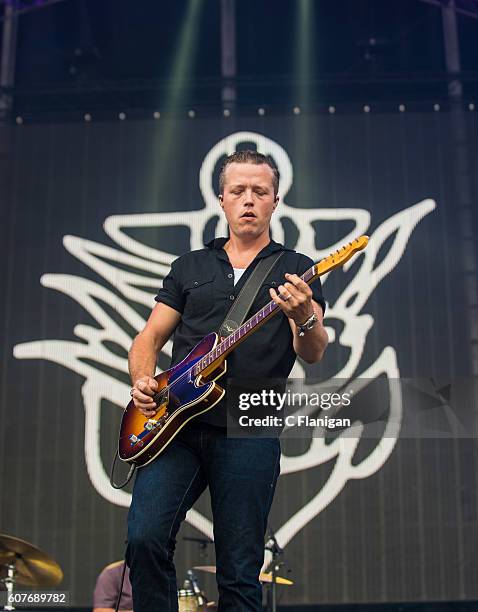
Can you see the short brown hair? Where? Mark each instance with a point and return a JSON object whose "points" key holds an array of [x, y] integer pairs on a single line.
{"points": [[249, 157]]}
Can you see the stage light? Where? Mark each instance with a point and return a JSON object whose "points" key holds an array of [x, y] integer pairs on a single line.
{"points": [[261, 112], [436, 107], [19, 120], [471, 106], [176, 100], [226, 112], [296, 110], [366, 108], [183, 63], [402, 108], [331, 110], [122, 116], [87, 117], [305, 67], [157, 115]]}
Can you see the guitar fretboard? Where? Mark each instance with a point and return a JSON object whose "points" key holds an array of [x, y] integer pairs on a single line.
{"points": [[229, 343]]}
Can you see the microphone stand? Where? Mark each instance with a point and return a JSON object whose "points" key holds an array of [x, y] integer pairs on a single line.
{"points": [[273, 546]]}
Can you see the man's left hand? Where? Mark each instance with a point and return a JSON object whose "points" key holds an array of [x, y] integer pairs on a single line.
{"points": [[294, 298]]}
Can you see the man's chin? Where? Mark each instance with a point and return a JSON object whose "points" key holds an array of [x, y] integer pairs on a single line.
{"points": [[248, 232]]}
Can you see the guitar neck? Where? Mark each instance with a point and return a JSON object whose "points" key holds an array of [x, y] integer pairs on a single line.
{"points": [[248, 328], [336, 259]]}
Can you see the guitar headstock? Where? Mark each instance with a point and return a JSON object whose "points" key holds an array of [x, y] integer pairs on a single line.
{"points": [[339, 257]]}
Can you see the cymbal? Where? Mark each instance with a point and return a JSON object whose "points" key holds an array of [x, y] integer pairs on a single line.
{"points": [[33, 567], [263, 577]]}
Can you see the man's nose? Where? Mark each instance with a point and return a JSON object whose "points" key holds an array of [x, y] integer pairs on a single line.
{"points": [[247, 197]]}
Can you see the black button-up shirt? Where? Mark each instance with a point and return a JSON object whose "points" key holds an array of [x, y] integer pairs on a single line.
{"points": [[201, 287]]}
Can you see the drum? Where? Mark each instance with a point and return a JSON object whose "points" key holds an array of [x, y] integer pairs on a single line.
{"points": [[187, 601]]}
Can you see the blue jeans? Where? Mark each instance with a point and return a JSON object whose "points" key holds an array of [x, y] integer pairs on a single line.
{"points": [[241, 474]]}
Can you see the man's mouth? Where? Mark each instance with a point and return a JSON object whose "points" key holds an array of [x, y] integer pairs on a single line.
{"points": [[248, 214]]}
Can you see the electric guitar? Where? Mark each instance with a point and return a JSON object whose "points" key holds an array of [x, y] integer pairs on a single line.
{"points": [[189, 389]]}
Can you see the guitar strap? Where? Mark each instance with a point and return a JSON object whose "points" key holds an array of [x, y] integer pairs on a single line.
{"points": [[242, 304]]}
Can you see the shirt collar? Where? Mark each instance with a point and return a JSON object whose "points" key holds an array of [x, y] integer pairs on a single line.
{"points": [[272, 247]]}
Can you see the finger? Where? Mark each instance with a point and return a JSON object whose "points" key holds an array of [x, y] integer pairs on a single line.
{"points": [[142, 398], [153, 384], [298, 297], [143, 387], [287, 296], [291, 289], [298, 283], [279, 301], [147, 413], [148, 404], [147, 407]]}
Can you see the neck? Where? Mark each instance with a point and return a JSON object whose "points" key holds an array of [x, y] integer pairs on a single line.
{"points": [[247, 244]]}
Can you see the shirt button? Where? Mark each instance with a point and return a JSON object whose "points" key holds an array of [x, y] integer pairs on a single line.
{"points": [[196, 283], [229, 275], [231, 297]]}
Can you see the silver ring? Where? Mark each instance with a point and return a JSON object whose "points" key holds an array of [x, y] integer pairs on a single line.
{"points": [[131, 391], [284, 298]]}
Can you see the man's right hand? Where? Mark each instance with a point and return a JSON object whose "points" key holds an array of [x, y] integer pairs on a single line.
{"points": [[142, 393]]}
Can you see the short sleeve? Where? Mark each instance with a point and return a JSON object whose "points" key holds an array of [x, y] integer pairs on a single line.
{"points": [[106, 590], [171, 293], [304, 264]]}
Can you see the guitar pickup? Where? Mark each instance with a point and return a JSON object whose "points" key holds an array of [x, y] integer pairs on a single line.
{"points": [[155, 423], [162, 397]]}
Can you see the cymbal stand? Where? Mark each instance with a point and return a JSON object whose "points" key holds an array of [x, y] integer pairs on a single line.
{"points": [[9, 582]]}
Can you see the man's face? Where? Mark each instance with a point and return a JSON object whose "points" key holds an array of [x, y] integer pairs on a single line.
{"points": [[248, 199]]}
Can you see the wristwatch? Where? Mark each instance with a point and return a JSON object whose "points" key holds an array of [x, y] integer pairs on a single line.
{"points": [[309, 324]]}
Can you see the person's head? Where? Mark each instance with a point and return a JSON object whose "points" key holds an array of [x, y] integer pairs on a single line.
{"points": [[248, 184]]}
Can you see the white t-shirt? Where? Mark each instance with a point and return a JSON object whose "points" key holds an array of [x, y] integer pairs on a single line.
{"points": [[238, 272]]}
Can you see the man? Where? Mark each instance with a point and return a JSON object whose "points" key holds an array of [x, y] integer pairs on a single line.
{"points": [[109, 584], [241, 472]]}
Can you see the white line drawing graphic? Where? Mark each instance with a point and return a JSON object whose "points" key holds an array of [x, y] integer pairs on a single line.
{"points": [[147, 267]]}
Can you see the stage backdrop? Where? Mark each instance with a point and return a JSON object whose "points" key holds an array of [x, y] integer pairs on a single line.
{"points": [[93, 215]]}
